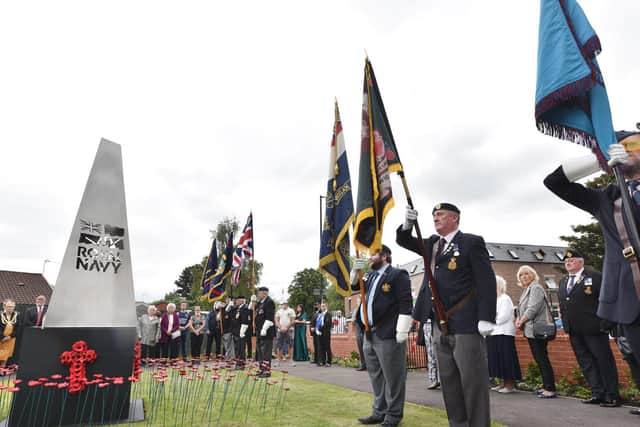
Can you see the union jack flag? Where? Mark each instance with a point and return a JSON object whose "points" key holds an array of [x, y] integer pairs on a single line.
{"points": [[236, 266], [246, 238]]}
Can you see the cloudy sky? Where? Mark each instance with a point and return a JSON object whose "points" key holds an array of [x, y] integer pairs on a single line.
{"points": [[226, 107]]}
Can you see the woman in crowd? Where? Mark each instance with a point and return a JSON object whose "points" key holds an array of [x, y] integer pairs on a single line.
{"points": [[9, 322], [532, 308], [501, 345], [170, 332], [196, 326], [300, 351], [149, 333]]}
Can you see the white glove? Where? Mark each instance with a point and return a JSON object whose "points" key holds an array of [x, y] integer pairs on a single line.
{"points": [[577, 168], [243, 330], [485, 328], [410, 218], [617, 155], [358, 265], [318, 333], [402, 328], [254, 298], [265, 327], [229, 306]]}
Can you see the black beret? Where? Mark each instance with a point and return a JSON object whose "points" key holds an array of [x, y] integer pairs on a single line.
{"points": [[240, 297], [445, 207], [572, 253], [263, 288]]}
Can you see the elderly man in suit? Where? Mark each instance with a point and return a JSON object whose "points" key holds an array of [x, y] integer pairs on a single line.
{"points": [[386, 324], [619, 300], [466, 284], [578, 294], [33, 316]]}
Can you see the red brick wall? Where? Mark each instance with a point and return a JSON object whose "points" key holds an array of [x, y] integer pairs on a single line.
{"points": [[560, 353]]}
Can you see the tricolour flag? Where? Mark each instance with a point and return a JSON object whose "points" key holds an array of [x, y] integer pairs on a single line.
{"points": [[218, 281], [210, 269], [571, 99], [334, 243], [378, 158]]}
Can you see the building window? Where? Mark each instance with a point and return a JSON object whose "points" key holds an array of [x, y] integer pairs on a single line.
{"points": [[560, 256], [491, 255], [413, 269], [552, 286], [539, 254], [513, 254]]}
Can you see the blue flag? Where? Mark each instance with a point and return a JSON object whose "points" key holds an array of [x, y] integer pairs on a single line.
{"points": [[571, 99], [209, 270], [219, 280], [334, 244]]}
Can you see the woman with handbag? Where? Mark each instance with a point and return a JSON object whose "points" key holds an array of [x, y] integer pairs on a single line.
{"points": [[9, 323], [536, 322]]}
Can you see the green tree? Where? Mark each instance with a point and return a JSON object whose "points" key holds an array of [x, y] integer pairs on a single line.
{"points": [[185, 281], [301, 288], [224, 227], [588, 238]]}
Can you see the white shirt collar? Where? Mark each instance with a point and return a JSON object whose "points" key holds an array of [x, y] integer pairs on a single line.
{"points": [[449, 237], [578, 274]]}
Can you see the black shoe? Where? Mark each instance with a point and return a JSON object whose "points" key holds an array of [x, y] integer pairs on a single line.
{"points": [[362, 368], [635, 411], [433, 386], [611, 403], [387, 423], [593, 401], [370, 420]]}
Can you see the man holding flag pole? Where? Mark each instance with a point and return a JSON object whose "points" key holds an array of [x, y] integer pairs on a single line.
{"points": [[572, 104], [386, 301]]}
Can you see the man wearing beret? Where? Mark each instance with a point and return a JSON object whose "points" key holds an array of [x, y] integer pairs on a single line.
{"points": [[578, 294], [265, 331], [619, 300], [466, 284], [388, 303]]}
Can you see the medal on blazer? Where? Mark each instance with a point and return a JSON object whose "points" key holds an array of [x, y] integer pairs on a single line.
{"points": [[452, 264], [587, 286], [456, 250], [386, 287]]}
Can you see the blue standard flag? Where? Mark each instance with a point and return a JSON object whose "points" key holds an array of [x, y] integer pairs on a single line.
{"points": [[571, 100], [209, 270], [334, 244], [218, 281]]}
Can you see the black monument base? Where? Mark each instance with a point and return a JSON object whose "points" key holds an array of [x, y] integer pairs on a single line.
{"points": [[48, 404]]}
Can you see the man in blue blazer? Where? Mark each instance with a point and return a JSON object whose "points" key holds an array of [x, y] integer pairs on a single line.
{"points": [[466, 284], [388, 304], [619, 299]]}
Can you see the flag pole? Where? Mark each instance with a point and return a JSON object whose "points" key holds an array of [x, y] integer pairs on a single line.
{"points": [[437, 302], [628, 216]]}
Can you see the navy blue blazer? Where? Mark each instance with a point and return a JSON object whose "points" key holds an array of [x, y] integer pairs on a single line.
{"points": [[578, 308], [618, 301], [392, 297], [456, 276]]}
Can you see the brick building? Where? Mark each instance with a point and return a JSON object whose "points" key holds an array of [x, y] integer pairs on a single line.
{"points": [[23, 288]]}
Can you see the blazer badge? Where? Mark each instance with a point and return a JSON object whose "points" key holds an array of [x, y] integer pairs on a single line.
{"points": [[452, 264], [386, 287], [588, 283]]}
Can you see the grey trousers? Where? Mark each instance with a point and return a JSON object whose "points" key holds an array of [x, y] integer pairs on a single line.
{"points": [[387, 367], [464, 378], [227, 343]]}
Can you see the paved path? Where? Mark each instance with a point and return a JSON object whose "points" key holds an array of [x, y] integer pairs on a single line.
{"points": [[520, 409]]}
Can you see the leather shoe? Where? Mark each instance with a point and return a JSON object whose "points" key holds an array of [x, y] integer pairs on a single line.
{"points": [[370, 420], [635, 411], [362, 368], [612, 403], [387, 423], [593, 401], [433, 386]]}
